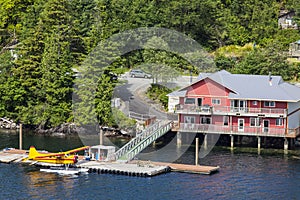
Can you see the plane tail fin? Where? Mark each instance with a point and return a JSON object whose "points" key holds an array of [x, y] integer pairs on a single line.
{"points": [[32, 153]]}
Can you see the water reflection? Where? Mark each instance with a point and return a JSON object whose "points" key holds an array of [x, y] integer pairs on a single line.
{"points": [[42, 185]]}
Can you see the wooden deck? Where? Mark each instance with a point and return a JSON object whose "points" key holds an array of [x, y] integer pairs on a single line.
{"points": [[196, 169], [13, 155]]}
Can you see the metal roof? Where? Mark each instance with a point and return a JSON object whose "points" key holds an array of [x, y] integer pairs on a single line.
{"points": [[178, 93], [258, 87]]}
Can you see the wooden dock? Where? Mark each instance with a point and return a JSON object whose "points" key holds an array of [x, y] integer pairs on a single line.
{"points": [[12, 155], [196, 169], [134, 168]]}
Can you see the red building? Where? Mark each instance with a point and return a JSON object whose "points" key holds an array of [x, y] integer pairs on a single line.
{"points": [[238, 104]]}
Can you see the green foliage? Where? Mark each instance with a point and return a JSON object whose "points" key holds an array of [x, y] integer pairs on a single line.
{"points": [[121, 120], [158, 93], [235, 50], [223, 62], [263, 61], [54, 37]]}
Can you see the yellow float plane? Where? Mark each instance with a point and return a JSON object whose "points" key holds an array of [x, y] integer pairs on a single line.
{"points": [[65, 158]]}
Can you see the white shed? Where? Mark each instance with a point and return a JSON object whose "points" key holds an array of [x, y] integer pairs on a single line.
{"points": [[102, 153]]}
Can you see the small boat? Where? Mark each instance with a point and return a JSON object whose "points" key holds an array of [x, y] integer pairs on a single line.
{"points": [[65, 171]]}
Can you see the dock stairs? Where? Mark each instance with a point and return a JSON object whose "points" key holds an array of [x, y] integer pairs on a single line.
{"points": [[141, 141]]}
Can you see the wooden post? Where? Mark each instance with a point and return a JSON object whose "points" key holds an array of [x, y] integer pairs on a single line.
{"points": [[286, 146], [20, 137], [205, 142], [197, 152], [258, 144], [231, 142], [154, 143], [179, 141], [101, 136]]}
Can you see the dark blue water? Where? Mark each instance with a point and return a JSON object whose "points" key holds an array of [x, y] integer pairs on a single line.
{"points": [[241, 176]]}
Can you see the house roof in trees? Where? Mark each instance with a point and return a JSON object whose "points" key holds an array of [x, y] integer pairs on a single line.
{"points": [[285, 12]]}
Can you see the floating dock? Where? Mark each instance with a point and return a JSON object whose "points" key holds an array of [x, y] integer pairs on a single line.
{"points": [[129, 169], [12, 155], [195, 169], [134, 168]]}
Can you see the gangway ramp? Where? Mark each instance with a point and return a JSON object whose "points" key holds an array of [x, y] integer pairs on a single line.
{"points": [[144, 139]]}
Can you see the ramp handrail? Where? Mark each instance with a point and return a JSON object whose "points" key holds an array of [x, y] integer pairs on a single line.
{"points": [[142, 136], [147, 141]]}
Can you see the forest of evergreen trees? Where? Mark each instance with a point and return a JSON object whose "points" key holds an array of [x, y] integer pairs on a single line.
{"points": [[52, 38]]}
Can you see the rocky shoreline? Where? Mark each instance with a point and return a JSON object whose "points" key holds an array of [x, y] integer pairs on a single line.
{"points": [[6, 123], [65, 129], [71, 129]]}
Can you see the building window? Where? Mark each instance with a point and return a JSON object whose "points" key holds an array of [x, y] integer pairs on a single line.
{"points": [[254, 103], [269, 103], [238, 105], [254, 122], [205, 120], [189, 119], [189, 101], [279, 122], [225, 120], [216, 101]]}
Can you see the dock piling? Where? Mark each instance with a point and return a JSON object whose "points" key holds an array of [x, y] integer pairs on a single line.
{"points": [[179, 142], [286, 145], [205, 142], [197, 152], [231, 142], [258, 145], [101, 136], [20, 137]]}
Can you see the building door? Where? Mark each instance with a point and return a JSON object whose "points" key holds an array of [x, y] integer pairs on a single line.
{"points": [[189, 122], [241, 123], [243, 105], [189, 119], [199, 102], [266, 126]]}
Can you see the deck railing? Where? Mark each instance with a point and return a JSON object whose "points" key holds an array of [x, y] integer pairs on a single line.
{"points": [[228, 110], [142, 140], [236, 130]]}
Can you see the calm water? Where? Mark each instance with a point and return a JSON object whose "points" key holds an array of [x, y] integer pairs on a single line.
{"points": [[242, 176]]}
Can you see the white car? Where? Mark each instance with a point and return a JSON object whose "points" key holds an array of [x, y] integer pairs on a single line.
{"points": [[137, 73]]}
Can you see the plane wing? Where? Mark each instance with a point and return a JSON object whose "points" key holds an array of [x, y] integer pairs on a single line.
{"points": [[76, 150], [62, 153]]}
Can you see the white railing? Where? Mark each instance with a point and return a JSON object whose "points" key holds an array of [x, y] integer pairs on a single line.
{"points": [[228, 110], [220, 129], [149, 131], [149, 140], [141, 117], [193, 108]]}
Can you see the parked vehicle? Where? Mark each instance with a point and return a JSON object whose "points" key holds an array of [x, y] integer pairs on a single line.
{"points": [[113, 76], [137, 73]]}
